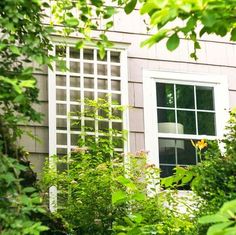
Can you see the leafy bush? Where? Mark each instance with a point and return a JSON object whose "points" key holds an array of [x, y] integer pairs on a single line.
{"points": [[101, 191]]}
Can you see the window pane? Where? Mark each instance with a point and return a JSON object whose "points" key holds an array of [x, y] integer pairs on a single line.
{"points": [[74, 53], [187, 119], [167, 151], [166, 170], [206, 123], [102, 69], [115, 71], [61, 94], [186, 153], [205, 98], [115, 56], [88, 68], [185, 96], [74, 67], [88, 83], [74, 81], [61, 109], [88, 54], [60, 51], [102, 84], [165, 115], [60, 80], [165, 95], [115, 85], [74, 95]]}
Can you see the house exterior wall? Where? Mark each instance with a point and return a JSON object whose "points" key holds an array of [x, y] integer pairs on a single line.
{"points": [[217, 56]]}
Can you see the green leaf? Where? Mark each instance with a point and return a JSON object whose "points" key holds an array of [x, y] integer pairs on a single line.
{"points": [[109, 24], [155, 38], [110, 11], [79, 45], [217, 228], [216, 218], [173, 42], [72, 22], [118, 197], [139, 197], [15, 50], [130, 6], [228, 206], [233, 35]]}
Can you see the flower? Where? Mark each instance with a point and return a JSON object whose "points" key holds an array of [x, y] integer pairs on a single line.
{"points": [[201, 144], [79, 150]]}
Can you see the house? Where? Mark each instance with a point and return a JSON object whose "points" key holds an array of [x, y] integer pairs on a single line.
{"points": [[174, 99]]}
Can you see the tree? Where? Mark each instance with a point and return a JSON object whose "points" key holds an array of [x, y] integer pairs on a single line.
{"points": [[190, 19]]}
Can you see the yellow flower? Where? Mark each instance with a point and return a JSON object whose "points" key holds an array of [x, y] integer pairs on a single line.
{"points": [[201, 144]]}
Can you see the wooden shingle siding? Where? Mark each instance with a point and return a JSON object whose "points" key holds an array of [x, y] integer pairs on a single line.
{"points": [[217, 56]]}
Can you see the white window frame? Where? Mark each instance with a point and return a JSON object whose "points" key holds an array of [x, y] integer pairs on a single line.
{"points": [[122, 48], [151, 77]]}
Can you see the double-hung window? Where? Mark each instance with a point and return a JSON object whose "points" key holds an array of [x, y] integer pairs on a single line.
{"points": [[179, 108]]}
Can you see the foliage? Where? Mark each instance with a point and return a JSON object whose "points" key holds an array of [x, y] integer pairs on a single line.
{"points": [[170, 19], [223, 221], [17, 203], [213, 16], [147, 209], [103, 192]]}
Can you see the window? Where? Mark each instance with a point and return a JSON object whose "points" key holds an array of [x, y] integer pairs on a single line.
{"points": [[76, 76], [179, 108]]}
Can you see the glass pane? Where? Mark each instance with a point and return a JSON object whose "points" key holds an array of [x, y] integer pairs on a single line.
{"points": [[61, 123], [117, 126], [165, 95], [185, 96], [74, 53], [61, 94], [102, 69], [167, 151], [75, 108], [115, 71], [166, 170], [165, 115], [205, 98], [102, 84], [115, 56], [89, 125], [102, 95], [62, 151], [206, 123], [187, 119], [88, 83], [61, 139], [74, 67], [88, 68], [88, 54], [74, 81], [74, 139], [61, 109], [116, 99], [75, 125], [115, 85], [88, 95], [74, 95], [103, 125], [186, 153], [60, 51], [60, 80]]}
